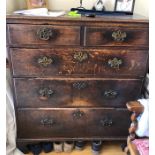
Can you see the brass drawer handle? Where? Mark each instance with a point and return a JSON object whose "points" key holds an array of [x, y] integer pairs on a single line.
{"points": [[106, 122], [45, 61], [110, 94], [45, 93], [80, 56], [47, 121], [119, 35], [45, 33], [115, 63], [79, 85], [78, 114]]}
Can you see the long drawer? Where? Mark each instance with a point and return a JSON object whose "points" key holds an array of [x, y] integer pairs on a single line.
{"points": [[116, 36], [36, 93], [19, 34], [72, 123], [58, 62]]}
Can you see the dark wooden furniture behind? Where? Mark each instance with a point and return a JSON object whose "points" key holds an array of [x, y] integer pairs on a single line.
{"points": [[73, 76], [136, 108]]}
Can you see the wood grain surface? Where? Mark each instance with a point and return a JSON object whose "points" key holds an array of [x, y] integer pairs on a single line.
{"points": [[77, 62], [64, 67], [75, 92]]}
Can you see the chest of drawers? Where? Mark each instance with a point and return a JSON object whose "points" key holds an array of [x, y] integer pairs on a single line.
{"points": [[73, 76]]}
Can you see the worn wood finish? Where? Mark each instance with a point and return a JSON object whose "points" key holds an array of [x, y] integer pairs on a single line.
{"points": [[72, 126], [128, 19], [28, 93], [28, 34], [62, 80], [96, 36], [96, 64], [76, 93]]}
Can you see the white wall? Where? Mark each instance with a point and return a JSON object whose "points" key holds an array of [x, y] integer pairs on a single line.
{"points": [[141, 6]]}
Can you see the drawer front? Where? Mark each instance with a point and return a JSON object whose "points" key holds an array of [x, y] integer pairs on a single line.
{"points": [[79, 63], [36, 93], [42, 93], [43, 35], [116, 36], [72, 123]]}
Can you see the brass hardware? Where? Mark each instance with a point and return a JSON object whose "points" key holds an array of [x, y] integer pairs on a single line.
{"points": [[80, 56], [45, 61], [115, 63], [110, 94], [78, 114], [45, 33], [47, 122], [106, 122], [119, 35], [79, 85], [46, 92]]}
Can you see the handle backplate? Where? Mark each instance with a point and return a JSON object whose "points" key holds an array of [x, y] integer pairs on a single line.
{"points": [[119, 35], [45, 93], [45, 61], [45, 33], [47, 121], [79, 85], [77, 114], [106, 122], [110, 94], [115, 63], [80, 56]]}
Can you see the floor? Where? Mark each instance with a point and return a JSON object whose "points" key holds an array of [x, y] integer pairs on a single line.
{"points": [[108, 148]]}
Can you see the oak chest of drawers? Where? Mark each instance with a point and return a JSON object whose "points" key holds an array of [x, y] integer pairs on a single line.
{"points": [[73, 76]]}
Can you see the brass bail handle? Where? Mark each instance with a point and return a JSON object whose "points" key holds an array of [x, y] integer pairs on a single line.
{"points": [[47, 121], [45, 61], [106, 122], [45, 93], [45, 33], [80, 56], [119, 35], [115, 63], [78, 114], [110, 94], [79, 85]]}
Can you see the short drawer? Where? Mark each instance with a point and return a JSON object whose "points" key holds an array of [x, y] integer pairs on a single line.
{"points": [[79, 62], [72, 123], [41, 93], [116, 36], [19, 34]]}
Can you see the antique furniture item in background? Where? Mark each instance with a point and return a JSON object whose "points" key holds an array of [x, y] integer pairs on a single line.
{"points": [[136, 146], [73, 76]]}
